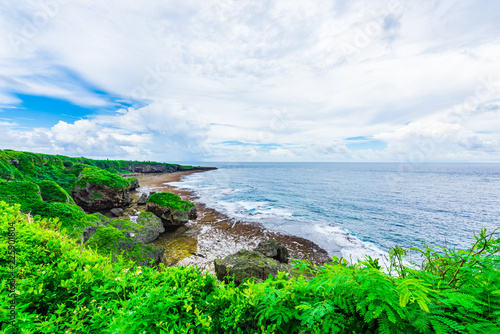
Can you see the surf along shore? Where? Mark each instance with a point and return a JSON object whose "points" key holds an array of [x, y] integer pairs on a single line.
{"points": [[214, 235]]}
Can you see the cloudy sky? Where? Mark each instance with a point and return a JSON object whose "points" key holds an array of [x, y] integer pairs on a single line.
{"points": [[246, 80]]}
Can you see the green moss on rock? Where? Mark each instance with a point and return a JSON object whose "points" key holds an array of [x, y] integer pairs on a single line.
{"points": [[171, 201], [101, 177], [108, 240]]}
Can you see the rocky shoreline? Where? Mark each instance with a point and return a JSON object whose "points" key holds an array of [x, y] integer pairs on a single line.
{"points": [[214, 235]]}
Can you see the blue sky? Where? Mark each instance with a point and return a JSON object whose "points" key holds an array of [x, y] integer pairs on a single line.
{"points": [[241, 80]]}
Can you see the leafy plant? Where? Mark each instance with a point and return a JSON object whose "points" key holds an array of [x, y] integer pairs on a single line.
{"points": [[171, 201]]}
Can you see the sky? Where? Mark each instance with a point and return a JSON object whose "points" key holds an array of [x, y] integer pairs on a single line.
{"points": [[245, 80]]}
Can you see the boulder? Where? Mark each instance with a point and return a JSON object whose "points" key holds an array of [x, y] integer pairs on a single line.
{"points": [[110, 240], [273, 249], [245, 264], [146, 229], [99, 190], [117, 212], [14, 162], [171, 209], [134, 183], [143, 199]]}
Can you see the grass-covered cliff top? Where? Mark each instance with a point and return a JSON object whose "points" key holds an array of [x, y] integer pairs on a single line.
{"points": [[19, 165], [171, 201], [100, 176], [41, 183]]}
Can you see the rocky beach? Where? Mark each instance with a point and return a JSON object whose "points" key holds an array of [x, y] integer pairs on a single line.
{"points": [[214, 235]]}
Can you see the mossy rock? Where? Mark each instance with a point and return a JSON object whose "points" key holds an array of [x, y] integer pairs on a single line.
{"points": [[97, 176], [108, 240], [147, 228], [172, 210], [245, 264], [98, 190], [171, 201], [52, 192]]}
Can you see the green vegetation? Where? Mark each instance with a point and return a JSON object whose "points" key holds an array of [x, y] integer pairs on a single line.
{"points": [[171, 201], [27, 194], [101, 177], [64, 170], [113, 242], [52, 192], [62, 286]]}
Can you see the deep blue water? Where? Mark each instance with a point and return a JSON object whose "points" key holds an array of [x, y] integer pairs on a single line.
{"points": [[358, 208]]}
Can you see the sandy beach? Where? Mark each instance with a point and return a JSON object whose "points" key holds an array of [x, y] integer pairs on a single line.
{"points": [[214, 235]]}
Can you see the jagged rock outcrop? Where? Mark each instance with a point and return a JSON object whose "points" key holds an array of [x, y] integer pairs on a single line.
{"points": [[145, 229], [273, 249], [14, 162], [245, 264], [117, 212], [172, 210], [110, 240], [171, 217], [134, 183], [143, 199], [99, 190], [96, 197]]}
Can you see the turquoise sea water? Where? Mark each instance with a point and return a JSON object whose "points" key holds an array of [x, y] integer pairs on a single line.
{"points": [[352, 209]]}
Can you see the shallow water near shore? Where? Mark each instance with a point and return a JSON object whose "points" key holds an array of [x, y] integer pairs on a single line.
{"points": [[353, 209], [214, 235]]}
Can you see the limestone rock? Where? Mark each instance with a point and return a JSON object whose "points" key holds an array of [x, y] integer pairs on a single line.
{"points": [[143, 199], [134, 183], [93, 197], [151, 227], [88, 232], [273, 249], [117, 212], [171, 217], [245, 264], [110, 240], [99, 190]]}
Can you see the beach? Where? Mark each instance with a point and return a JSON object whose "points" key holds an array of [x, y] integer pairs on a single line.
{"points": [[214, 235]]}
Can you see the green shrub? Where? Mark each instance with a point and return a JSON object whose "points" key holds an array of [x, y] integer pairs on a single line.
{"points": [[27, 194], [171, 201], [62, 286], [52, 192], [101, 177]]}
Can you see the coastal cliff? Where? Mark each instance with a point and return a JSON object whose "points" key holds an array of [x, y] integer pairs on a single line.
{"points": [[41, 184]]}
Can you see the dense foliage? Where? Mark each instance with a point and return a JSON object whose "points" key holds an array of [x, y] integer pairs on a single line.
{"points": [[101, 177], [52, 192], [62, 286], [28, 195], [28, 166], [171, 201]]}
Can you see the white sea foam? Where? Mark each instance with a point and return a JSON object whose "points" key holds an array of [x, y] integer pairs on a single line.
{"points": [[335, 240]]}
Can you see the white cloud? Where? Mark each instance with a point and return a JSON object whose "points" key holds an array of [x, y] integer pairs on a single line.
{"points": [[164, 131], [342, 69]]}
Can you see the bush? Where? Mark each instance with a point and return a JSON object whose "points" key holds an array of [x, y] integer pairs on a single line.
{"points": [[63, 286], [52, 192], [171, 201], [101, 177]]}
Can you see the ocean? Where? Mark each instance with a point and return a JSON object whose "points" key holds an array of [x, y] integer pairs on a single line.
{"points": [[353, 209]]}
